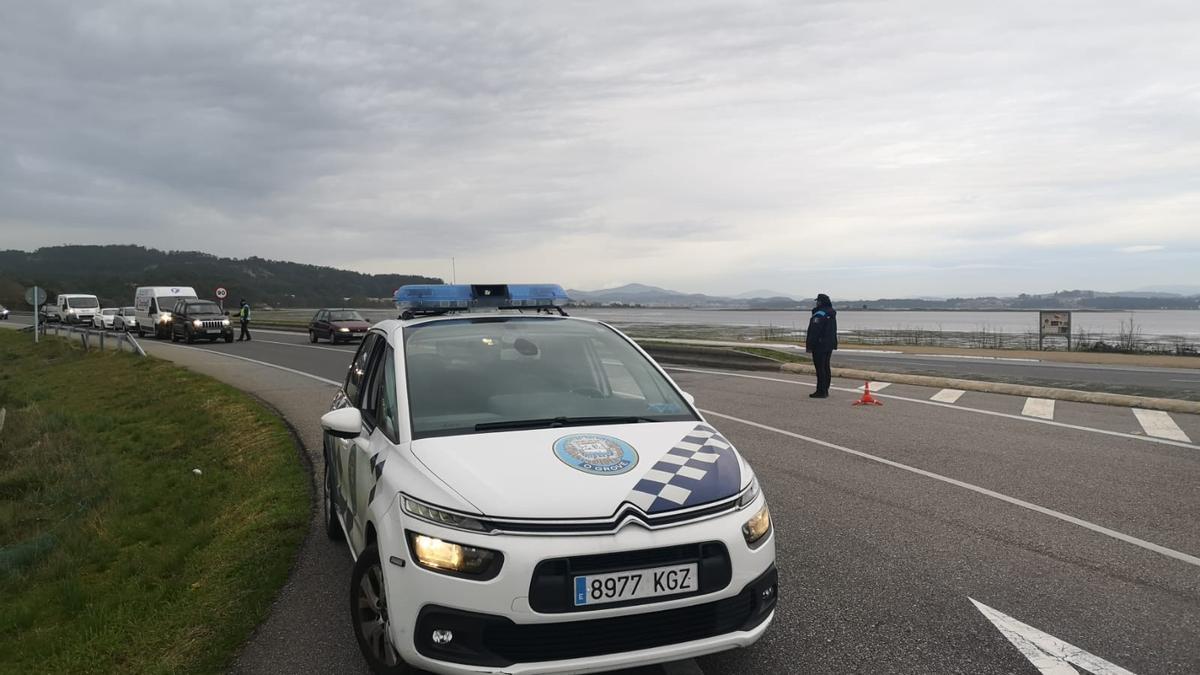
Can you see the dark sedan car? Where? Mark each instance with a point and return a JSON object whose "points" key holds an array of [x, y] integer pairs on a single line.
{"points": [[337, 325]]}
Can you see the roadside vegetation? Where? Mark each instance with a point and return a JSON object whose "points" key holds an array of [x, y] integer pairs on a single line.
{"points": [[776, 354], [115, 556]]}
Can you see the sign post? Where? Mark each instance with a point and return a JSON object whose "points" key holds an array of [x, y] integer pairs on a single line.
{"points": [[36, 297], [1054, 324], [221, 295]]}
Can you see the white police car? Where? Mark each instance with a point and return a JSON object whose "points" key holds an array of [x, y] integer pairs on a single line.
{"points": [[526, 492]]}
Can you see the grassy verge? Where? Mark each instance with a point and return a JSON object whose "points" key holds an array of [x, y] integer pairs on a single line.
{"points": [[775, 354], [114, 555]]}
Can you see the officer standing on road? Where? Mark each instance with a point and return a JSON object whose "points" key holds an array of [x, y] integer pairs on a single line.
{"points": [[820, 341], [244, 316]]}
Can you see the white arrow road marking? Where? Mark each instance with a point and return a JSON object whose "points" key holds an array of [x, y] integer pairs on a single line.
{"points": [[878, 386], [1042, 408], [947, 396], [1047, 653], [1158, 423]]}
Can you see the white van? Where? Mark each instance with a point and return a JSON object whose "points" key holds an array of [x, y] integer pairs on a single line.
{"points": [[153, 307], [73, 308]]}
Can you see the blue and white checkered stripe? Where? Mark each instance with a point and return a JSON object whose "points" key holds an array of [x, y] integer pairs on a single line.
{"points": [[700, 468]]}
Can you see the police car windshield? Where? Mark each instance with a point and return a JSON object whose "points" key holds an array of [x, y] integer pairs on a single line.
{"points": [[494, 373], [345, 315], [82, 303]]}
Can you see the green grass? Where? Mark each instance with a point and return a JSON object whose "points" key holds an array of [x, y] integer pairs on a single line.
{"points": [[114, 556]]}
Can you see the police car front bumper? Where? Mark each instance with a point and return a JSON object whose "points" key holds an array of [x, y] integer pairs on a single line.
{"points": [[497, 629]]}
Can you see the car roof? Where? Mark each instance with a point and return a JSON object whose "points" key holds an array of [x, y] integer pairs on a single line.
{"points": [[392, 326]]}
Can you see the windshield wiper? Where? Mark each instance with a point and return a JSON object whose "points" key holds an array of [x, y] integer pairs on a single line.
{"points": [[552, 422]]}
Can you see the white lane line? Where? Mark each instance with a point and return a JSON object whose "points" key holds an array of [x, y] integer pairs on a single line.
{"points": [[293, 344], [878, 386], [1160, 425], [1050, 655], [947, 396], [1041, 408], [1149, 546], [257, 362], [992, 413]]}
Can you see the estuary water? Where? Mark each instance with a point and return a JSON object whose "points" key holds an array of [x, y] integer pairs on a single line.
{"points": [[1148, 323]]}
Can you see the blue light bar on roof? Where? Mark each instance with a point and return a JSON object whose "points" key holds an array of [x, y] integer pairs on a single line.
{"points": [[428, 298], [536, 295], [433, 297]]}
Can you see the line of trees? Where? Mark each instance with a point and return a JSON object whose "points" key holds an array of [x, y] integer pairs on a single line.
{"points": [[114, 272]]}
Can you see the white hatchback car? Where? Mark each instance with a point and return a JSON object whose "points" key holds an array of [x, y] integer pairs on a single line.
{"points": [[104, 318], [529, 493]]}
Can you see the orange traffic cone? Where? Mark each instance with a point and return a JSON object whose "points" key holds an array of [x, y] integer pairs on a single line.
{"points": [[867, 399]]}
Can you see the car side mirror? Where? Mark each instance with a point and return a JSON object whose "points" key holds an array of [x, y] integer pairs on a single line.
{"points": [[226, 312], [342, 423], [689, 398]]}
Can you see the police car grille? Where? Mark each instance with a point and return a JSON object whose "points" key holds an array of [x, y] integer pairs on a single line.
{"points": [[580, 639], [613, 524], [552, 587]]}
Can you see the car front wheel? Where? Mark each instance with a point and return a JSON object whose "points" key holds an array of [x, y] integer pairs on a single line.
{"points": [[369, 615], [312, 336]]}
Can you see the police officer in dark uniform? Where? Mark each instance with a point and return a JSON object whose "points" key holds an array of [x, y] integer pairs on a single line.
{"points": [[244, 317], [820, 341]]}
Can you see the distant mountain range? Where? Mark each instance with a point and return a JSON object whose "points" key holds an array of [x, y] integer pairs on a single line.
{"points": [[113, 272], [654, 296]]}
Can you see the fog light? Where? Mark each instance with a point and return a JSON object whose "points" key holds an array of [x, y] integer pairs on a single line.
{"points": [[442, 637]]}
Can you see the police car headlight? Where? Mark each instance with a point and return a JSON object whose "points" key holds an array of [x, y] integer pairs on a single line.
{"points": [[441, 517], [749, 495], [758, 526], [164, 317], [439, 555]]}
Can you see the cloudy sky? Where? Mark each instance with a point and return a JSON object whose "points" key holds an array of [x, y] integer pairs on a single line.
{"points": [[916, 147]]}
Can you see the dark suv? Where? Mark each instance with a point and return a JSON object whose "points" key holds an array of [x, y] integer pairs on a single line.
{"points": [[195, 319]]}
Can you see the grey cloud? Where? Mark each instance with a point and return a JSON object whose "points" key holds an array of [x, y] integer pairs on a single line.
{"points": [[920, 136]]}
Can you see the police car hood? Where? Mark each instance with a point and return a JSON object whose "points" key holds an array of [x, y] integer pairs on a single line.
{"points": [[587, 472]]}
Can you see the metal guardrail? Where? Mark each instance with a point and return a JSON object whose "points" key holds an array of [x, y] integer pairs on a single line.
{"points": [[86, 335]]}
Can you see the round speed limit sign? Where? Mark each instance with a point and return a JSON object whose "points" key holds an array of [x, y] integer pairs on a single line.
{"points": [[221, 293]]}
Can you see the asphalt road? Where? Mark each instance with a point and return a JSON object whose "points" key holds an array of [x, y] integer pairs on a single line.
{"points": [[1077, 526], [1182, 383], [1138, 381]]}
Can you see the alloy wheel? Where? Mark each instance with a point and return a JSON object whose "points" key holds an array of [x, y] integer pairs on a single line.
{"points": [[373, 616]]}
